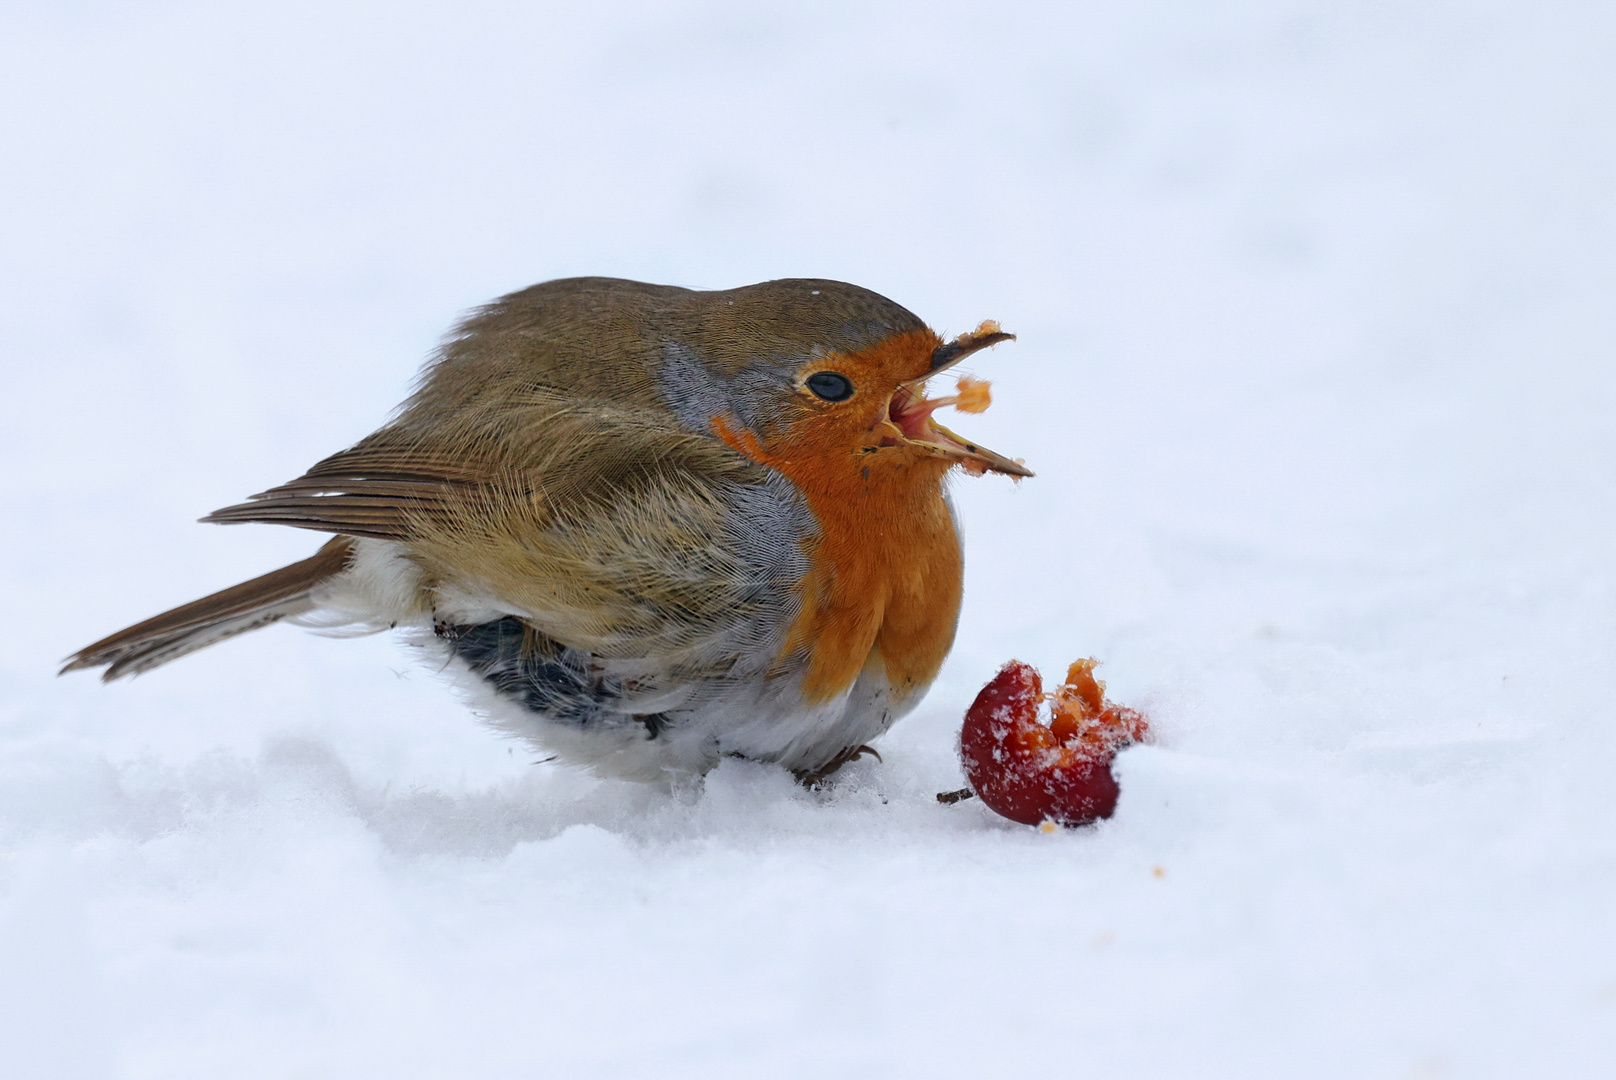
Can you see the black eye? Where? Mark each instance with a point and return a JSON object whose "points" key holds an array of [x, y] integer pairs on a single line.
{"points": [[830, 386]]}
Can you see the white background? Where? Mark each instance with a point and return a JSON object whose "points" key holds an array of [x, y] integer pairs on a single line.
{"points": [[1317, 315]]}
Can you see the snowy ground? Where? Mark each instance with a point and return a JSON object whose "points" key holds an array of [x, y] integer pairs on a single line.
{"points": [[1317, 366]]}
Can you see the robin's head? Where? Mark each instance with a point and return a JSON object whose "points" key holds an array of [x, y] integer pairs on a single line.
{"points": [[806, 371]]}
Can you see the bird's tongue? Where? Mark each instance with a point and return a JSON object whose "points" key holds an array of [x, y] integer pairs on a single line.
{"points": [[911, 411]]}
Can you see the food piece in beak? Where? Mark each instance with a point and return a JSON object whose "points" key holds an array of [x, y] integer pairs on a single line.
{"points": [[986, 333], [971, 395]]}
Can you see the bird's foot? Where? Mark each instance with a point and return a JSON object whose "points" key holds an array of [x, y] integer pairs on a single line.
{"points": [[815, 778]]}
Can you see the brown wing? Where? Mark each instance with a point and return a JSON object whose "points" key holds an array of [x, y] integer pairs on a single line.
{"points": [[372, 489]]}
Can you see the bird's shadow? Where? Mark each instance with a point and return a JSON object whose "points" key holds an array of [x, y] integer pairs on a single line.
{"points": [[740, 800], [303, 786]]}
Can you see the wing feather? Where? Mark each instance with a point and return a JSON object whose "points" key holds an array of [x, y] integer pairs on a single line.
{"points": [[371, 489]]}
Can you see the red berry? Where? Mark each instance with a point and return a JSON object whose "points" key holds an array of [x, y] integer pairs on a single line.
{"points": [[1029, 771]]}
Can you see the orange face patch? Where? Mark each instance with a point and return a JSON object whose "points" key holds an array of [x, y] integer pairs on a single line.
{"points": [[885, 572]]}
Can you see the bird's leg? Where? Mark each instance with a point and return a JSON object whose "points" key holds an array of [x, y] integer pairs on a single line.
{"points": [[815, 778]]}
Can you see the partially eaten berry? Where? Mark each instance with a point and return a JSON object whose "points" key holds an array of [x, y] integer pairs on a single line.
{"points": [[1031, 771]]}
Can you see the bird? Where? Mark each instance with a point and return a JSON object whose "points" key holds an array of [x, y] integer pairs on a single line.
{"points": [[649, 527]]}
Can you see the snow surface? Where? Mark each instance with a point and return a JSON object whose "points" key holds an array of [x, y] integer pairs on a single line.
{"points": [[1316, 367]]}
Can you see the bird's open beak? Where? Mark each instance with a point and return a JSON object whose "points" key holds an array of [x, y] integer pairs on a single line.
{"points": [[909, 412]]}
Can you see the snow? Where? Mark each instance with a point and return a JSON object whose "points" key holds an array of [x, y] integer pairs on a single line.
{"points": [[1314, 365]]}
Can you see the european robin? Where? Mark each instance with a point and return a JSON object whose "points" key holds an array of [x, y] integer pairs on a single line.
{"points": [[657, 526]]}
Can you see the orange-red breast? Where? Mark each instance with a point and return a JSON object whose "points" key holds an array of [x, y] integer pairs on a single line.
{"points": [[659, 526]]}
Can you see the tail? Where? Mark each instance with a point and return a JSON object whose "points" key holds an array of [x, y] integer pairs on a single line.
{"points": [[236, 610]]}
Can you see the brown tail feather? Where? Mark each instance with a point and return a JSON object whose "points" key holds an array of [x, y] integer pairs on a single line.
{"points": [[200, 623]]}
